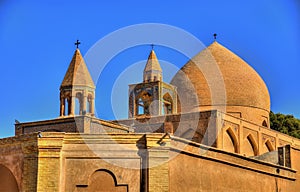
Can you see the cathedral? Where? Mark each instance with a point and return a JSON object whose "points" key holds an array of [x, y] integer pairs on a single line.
{"points": [[206, 130]]}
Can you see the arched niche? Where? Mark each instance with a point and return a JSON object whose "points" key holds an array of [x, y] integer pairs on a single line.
{"points": [[8, 181], [267, 146], [264, 123], [102, 180], [250, 146], [230, 142]]}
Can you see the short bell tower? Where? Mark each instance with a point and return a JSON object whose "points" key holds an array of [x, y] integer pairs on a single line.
{"points": [[153, 97], [77, 90]]}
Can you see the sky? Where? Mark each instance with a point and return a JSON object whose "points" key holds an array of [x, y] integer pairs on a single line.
{"points": [[37, 43]]}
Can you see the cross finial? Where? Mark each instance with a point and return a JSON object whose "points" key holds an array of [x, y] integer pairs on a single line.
{"points": [[215, 36], [77, 43], [152, 46]]}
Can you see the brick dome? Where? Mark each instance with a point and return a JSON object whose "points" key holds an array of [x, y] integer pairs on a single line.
{"points": [[247, 95]]}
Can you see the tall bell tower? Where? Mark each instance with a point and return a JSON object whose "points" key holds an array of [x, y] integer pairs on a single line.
{"points": [[77, 90], [153, 97]]}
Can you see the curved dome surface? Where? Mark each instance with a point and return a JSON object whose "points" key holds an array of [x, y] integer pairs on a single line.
{"points": [[247, 95]]}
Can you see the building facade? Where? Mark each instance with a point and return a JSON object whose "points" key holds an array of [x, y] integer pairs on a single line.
{"points": [[183, 136]]}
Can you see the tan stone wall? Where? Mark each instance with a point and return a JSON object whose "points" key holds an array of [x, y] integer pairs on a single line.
{"points": [[84, 155], [70, 161], [199, 168], [260, 136], [19, 155]]}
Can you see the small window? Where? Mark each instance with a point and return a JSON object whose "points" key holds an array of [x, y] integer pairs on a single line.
{"points": [[264, 123]]}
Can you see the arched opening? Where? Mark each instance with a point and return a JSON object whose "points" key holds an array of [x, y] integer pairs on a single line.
{"points": [[78, 104], [250, 147], [167, 104], [264, 123], [143, 102], [66, 106], [230, 141], [140, 106], [7, 180]]}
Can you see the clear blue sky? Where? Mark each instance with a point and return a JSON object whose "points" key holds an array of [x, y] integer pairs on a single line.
{"points": [[37, 43]]}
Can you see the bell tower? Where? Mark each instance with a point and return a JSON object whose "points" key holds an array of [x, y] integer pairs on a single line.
{"points": [[77, 90], [153, 97]]}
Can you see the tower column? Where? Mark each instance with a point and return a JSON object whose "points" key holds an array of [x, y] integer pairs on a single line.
{"points": [[62, 106], [72, 111], [92, 106], [84, 100]]}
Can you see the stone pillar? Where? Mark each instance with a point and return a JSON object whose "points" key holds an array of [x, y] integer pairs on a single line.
{"points": [[241, 138], [154, 152], [277, 142], [49, 163], [92, 106], [259, 143], [158, 171], [72, 106], [219, 130], [62, 106], [84, 100]]}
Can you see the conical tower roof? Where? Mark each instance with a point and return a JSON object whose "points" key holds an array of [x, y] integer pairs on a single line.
{"points": [[77, 73], [152, 63]]}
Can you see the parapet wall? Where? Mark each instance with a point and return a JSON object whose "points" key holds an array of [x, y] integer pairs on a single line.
{"points": [[78, 124], [199, 168]]}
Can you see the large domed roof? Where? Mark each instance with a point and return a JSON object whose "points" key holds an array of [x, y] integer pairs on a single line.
{"points": [[242, 84]]}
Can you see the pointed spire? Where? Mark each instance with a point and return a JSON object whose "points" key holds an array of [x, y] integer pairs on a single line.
{"points": [[77, 73], [152, 71]]}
